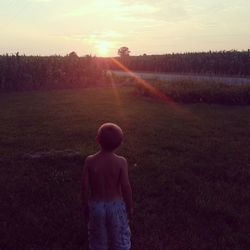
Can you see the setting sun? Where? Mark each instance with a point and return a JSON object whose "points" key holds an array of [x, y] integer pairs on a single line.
{"points": [[103, 48]]}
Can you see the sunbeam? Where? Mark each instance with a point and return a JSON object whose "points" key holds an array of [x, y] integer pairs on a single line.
{"points": [[161, 96], [117, 96], [147, 85]]}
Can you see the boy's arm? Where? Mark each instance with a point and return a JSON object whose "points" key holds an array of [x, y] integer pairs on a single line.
{"points": [[126, 188], [85, 188]]}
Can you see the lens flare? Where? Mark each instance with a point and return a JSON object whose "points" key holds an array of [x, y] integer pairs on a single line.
{"points": [[156, 92]]}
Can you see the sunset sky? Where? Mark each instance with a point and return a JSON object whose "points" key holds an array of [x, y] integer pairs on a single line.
{"points": [[100, 27]]}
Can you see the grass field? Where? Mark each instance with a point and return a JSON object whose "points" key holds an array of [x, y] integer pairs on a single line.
{"points": [[188, 91], [189, 169]]}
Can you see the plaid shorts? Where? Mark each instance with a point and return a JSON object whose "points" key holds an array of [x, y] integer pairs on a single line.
{"points": [[108, 226]]}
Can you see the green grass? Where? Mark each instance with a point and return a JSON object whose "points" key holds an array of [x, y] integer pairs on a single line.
{"points": [[188, 91], [184, 91], [189, 168]]}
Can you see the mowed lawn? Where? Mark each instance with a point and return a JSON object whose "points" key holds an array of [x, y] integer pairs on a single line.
{"points": [[189, 169]]}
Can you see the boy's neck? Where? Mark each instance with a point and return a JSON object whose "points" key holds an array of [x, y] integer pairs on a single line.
{"points": [[103, 151]]}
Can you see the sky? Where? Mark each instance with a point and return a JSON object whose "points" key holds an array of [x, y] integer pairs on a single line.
{"points": [[101, 27]]}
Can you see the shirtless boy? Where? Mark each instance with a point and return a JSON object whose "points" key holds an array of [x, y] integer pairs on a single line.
{"points": [[107, 195]]}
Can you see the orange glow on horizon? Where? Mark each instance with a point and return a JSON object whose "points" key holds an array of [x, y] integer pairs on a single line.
{"points": [[103, 48]]}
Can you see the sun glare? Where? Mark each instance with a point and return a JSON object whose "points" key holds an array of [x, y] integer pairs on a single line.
{"points": [[103, 48]]}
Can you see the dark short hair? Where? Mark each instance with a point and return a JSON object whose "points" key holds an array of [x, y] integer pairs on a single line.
{"points": [[110, 136]]}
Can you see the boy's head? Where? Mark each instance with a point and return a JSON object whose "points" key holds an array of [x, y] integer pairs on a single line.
{"points": [[109, 136]]}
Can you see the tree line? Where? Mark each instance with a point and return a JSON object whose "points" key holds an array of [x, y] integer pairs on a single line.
{"points": [[20, 72], [232, 63]]}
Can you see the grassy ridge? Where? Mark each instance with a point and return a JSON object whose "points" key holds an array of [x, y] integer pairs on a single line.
{"points": [[187, 91], [201, 92], [189, 169]]}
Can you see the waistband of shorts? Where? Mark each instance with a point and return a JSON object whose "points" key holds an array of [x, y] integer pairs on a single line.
{"points": [[112, 202]]}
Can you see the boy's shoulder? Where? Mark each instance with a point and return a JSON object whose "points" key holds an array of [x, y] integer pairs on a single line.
{"points": [[122, 161], [91, 158], [121, 158]]}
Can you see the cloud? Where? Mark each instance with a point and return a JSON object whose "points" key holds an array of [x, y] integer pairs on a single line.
{"points": [[110, 34], [75, 37], [108, 38], [161, 11], [40, 1]]}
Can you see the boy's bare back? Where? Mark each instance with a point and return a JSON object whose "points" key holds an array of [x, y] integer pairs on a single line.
{"points": [[107, 176]]}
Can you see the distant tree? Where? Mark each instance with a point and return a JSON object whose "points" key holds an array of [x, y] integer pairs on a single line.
{"points": [[73, 54], [123, 51]]}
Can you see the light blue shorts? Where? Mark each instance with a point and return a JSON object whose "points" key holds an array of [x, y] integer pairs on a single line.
{"points": [[108, 226]]}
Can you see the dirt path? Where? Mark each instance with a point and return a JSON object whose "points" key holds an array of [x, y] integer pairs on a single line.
{"points": [[162, 76]]}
